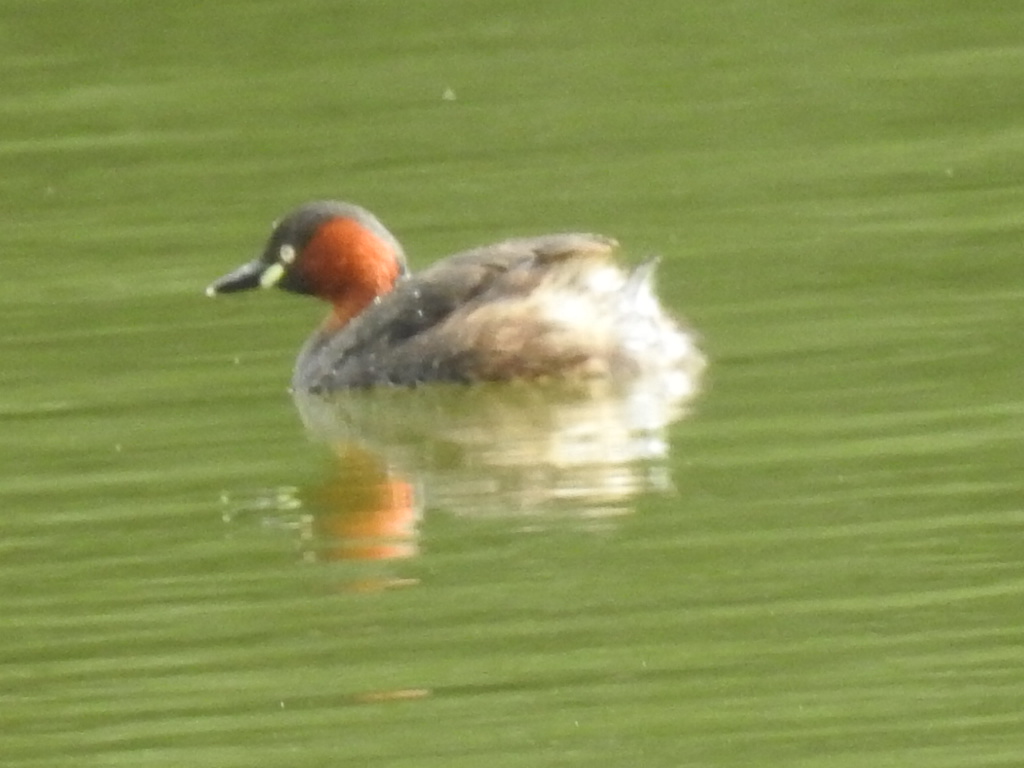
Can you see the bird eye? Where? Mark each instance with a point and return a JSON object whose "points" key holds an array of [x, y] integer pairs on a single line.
{"points": [[286, 254]]}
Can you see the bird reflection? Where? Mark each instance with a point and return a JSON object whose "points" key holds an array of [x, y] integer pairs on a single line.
{"points": [[533, 451], [367, 511]]}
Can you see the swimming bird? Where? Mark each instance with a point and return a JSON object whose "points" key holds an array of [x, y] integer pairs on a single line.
{"points": [[534, 308]]}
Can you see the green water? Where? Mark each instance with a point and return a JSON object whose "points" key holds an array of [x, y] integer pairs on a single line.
{"points": [[820, 566]]}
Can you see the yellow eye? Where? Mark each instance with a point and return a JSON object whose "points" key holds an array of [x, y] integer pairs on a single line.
{"points": [[286, 254]]}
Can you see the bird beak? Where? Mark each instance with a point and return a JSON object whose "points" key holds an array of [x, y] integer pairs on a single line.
{"points": [[246, 277]]}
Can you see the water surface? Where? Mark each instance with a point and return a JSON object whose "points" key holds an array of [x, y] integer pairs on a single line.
{"points": [[818, 563]]}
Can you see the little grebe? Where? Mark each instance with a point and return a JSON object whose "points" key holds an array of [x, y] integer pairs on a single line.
{"points": [[554, 306]]}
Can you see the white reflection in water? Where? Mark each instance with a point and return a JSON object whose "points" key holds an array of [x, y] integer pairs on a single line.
{"points": [[527, 450]]}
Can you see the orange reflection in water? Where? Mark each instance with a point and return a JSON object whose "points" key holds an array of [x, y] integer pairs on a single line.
{"points": [[366, 510]]}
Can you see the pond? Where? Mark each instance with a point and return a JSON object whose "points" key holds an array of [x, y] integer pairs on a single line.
{"points": [[816, 560]]}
